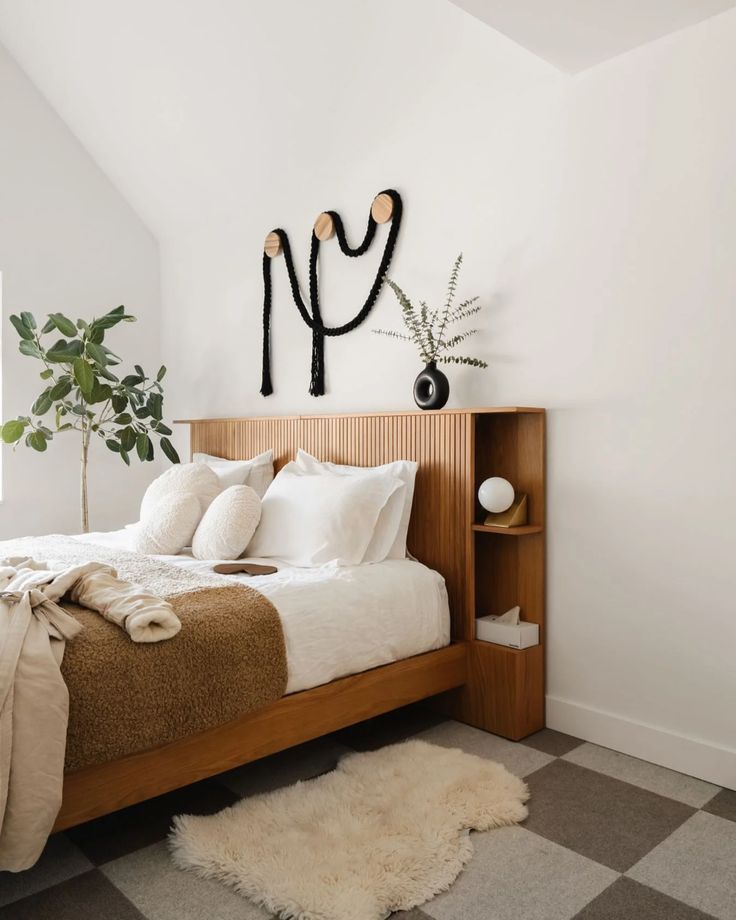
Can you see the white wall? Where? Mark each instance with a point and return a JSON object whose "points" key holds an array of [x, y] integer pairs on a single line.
{"points": [[597, 219], [70, 243]]}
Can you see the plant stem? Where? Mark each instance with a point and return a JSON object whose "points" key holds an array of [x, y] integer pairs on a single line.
{"points": [[83, 479]]}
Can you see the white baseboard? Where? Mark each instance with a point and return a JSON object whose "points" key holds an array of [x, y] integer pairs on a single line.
{"points": [[693, 756]]}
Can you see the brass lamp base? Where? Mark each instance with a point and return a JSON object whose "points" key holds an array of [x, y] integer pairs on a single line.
{"points": [[515, 516]]}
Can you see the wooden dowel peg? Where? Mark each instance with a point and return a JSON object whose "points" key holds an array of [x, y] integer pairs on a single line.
{"points": [[272, 244], [382, 209], [324, 227]]}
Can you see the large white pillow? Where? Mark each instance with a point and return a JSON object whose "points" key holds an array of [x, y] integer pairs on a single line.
{"points": [[183, 477], [168, 525], [310, 520], [228, 524], [256, 472], [392, 527]]}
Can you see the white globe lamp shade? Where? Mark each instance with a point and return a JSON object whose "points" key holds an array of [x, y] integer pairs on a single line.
{"points": [[496, 494]]}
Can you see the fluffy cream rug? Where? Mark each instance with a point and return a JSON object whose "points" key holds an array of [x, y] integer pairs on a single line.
{"points": [[385, 831]]}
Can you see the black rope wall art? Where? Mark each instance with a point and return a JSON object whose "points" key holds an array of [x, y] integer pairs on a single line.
{"points": [[386, 206]]}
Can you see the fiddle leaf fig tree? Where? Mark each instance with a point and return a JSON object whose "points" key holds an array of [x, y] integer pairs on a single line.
{"points": [[83, 394]]}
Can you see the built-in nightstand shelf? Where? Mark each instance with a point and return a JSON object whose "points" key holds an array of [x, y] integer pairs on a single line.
{"points": [[525, 530], [505, 689]]}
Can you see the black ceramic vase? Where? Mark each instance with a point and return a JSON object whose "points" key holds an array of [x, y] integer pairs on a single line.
{"points": [[431, 388]]}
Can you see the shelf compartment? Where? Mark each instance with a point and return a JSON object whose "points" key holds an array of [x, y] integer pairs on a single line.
{"points": [[505, 689]]}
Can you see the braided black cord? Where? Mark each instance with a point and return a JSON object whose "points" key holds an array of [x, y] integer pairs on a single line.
{"points": [[266, 385], [317, 381], [314, 321], [343, 240]]}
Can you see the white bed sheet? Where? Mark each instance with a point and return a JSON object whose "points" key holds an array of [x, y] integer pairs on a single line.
{"points": [[341, 620]]}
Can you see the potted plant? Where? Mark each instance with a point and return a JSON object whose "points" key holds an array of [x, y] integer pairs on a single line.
{"points": [[82, 394], [430, 331]]}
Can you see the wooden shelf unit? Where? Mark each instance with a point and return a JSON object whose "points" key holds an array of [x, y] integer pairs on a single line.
{"points": [[506, 687]]}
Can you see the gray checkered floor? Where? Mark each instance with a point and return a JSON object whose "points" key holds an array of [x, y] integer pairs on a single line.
{"points": [[607, 837]]}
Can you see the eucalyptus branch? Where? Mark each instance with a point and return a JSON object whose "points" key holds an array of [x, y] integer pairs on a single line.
{"points": [[427, 328]]}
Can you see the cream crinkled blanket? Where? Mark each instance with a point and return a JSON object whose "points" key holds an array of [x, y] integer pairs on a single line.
{"points": [[34, 702], [228, 659]]}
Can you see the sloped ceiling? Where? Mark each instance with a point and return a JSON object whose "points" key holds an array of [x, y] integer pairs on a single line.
{"points": [[190, 105], [576, 34]]}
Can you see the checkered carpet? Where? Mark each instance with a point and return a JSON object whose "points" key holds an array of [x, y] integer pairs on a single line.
{"points": [[608, 837]]}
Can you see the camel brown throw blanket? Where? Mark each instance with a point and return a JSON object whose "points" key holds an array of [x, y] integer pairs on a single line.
{"points": [[228, 659]]}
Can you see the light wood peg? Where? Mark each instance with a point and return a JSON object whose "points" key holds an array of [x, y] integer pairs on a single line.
{"points": [[382, 209], [272, 245], [324, 227]]}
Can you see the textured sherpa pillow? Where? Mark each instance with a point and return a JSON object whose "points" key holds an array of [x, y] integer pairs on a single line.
{"points": [[228, 524], [169, 525], [196, 478]]}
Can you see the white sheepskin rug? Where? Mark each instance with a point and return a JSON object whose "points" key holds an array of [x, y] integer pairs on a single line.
{"points": [[384, 831]]}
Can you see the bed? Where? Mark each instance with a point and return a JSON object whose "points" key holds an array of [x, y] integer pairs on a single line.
{"points": [[362, 641], [340, 620]]}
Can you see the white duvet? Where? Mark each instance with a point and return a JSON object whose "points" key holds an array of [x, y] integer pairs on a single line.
{"points": [[341, 620]]}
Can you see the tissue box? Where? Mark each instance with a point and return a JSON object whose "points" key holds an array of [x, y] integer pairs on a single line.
{"points": [[522, 635]]}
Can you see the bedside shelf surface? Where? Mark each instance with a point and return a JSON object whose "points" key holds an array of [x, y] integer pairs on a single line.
{"points": [[509, 531]]}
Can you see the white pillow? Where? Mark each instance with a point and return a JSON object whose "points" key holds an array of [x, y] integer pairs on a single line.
{"points": [[228, 524], [389, 541], [256, 472], [311, 520], [168, 526], [183, 477]]}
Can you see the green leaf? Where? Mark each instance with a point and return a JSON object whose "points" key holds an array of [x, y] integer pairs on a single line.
{"points": [[104, 372], [42, 404], [28, 319], [125, 418], [127, 438], [96, 353], [131, 380], [61, 389], [63, 352], [143, 445], [96, 334], [48, 326], [161, 373], [84, 375], [100, 393], [12, 431], [114, 446], [139, 370], [37, 441], [126, 458], [163, 429], [63, 324], [119, 402], [30, 349], [108, 321], [23, 330], [45, 375], [155, 406], [168, 448]]}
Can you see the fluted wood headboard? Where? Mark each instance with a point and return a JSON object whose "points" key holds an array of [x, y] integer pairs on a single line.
{"points": [[443, 443]]}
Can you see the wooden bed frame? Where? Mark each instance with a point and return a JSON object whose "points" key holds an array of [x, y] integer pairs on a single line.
{"points": [[442, 535]]}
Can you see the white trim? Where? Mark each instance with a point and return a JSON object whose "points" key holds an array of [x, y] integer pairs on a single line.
{"points": [[694, 756]]}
